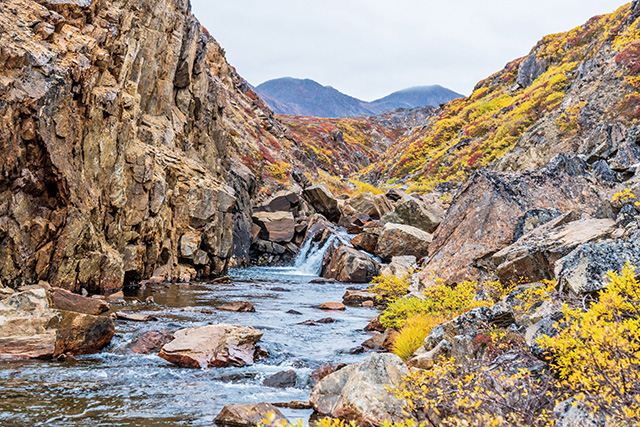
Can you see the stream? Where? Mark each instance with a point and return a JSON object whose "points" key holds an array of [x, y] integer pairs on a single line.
{"points": [[115, 388]]}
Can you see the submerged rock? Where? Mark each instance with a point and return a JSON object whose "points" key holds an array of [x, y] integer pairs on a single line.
{"points": [[213, 346], [150, 342], [238, 306]]}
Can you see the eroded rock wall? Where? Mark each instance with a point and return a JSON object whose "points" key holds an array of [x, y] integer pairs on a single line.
{"points": [[117, 159]]}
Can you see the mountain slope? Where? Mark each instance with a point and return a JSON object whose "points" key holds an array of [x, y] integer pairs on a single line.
{"points": [[573, 93], [291, 96]]}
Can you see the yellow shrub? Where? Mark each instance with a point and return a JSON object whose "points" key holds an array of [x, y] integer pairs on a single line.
{"points": [[389, 287], [413, 333], [597, 352]]}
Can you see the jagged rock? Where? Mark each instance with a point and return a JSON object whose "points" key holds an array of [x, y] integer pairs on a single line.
{"points": [[469, 324], [381, 342], [357, 298], [395, 194], [68, 301], [284, 379], [321, 199], [413, 212], [533, 257], [283, 201], [585, 269], [402, 240], [348, 265], [533, 219], [31, 328], [248, 415], [371, 205], [320, 373], [400, 266], [150, 342], [353, 224], [110, 155], [238, 306], [477, 227], [366, 241], [546, 326], [360, 392], [279, 226], [213, 346]]}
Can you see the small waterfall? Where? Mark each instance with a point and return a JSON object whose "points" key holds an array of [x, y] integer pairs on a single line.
{"points": [[309, 259]]}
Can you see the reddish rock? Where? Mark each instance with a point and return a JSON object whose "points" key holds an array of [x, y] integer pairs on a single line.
{"points": [[371, 205], [238, 306], [318, 374], [366, 241], [402, 240], [348, 265], [150, 342], [358, 298], [278, 226], [64, 300], [284, 379], [332, 306], [321, 199]]}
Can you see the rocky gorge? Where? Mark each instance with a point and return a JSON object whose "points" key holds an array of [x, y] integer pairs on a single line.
{"points": [[159, 222]]}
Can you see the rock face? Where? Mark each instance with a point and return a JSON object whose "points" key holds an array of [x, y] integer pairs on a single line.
{"points": [[402, 240], [348, 265], [118, 159], [213, 346], [321, 199], [534, 256], [585, 269], [30, 327], [484, 216], [416, 213], [248, 415], [374, 206], [279, 226], [359, 392]]}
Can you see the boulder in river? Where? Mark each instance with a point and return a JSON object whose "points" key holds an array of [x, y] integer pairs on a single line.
{"points": [[366, 241], [318, 374], [332, 306], [348, 265], [30, 327], [248, 415], [68, 301], [215, 346], [238, 306], [357, 298], [360, 392], [402, 240], [283, 379]]}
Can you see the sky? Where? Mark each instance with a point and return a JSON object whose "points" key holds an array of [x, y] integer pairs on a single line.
{"points": [[370, 48]]}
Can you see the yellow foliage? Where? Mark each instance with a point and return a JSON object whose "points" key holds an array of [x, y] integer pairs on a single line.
{"points": [[389, 287], [413, 333], [597, 352], [324, 422], [624, 196]]}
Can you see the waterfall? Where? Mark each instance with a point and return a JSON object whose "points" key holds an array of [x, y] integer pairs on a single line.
{"points": [[309, 259]]}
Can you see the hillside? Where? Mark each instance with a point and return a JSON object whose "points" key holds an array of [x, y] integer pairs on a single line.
{"points": [[566, 96], [298, 97]]}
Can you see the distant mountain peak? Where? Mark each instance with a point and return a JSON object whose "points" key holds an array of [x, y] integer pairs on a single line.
{"points": [[306, 97]]}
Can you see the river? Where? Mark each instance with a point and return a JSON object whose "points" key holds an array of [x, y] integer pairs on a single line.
{"points": [[114, 388]]}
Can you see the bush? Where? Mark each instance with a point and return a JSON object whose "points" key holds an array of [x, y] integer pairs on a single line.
{"points": [[597, 353], [413, 333], [389, 287]]}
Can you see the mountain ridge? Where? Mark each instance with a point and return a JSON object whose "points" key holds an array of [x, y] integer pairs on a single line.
{"points": [[306, 97]]}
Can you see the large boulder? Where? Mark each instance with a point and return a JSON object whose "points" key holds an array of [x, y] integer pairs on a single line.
{"points": [[248, 415], [484, 216], [374, 206], [30, 327], [348, 265], [64, 300], [585, 270], [402, 240], [416, 213], [214, 346], [321, 199], [400, 266], [361, 392], [283, 201], [278, 226], [534, 256], [366, 241]]}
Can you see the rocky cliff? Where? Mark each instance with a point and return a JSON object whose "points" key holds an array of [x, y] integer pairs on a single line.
{"points": [[122, 129]]}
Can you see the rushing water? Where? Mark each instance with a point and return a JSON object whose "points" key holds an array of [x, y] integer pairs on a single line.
{"points": [[119, 389]]}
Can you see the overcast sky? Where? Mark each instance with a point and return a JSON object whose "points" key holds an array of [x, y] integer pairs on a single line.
{"points": [[370, 48]]}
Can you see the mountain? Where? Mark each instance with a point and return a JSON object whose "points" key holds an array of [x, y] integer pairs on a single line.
{"points": [[306, 97]]}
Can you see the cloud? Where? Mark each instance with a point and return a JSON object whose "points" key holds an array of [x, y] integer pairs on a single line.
{"points": [[370, 48]]}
